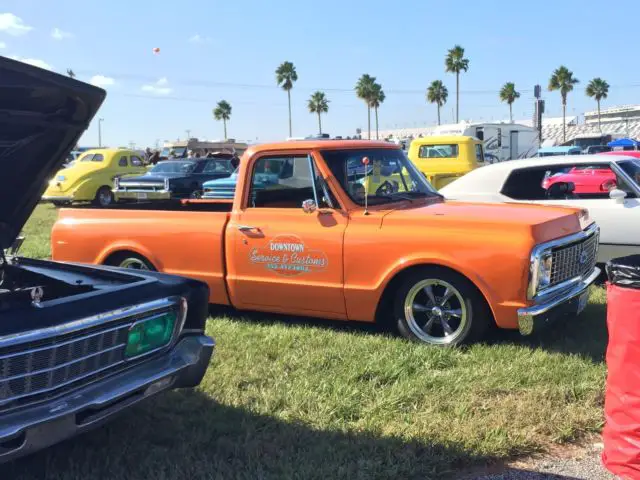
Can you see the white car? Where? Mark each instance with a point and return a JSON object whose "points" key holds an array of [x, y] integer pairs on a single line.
{"points": [[607, 185]]}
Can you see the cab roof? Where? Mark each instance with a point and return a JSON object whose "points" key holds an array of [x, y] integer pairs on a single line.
{"points": [[445, 139], [320, 144]]}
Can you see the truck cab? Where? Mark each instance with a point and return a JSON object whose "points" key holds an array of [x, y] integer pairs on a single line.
{"points": [[442, 159]]}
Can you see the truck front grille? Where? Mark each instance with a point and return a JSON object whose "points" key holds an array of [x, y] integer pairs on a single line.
{"points": [[48, 367], [574, 260], [140, 187]]}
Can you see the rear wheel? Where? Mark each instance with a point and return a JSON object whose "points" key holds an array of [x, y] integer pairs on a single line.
{"points": [[436, 306], [130, 260], [104, 197]]}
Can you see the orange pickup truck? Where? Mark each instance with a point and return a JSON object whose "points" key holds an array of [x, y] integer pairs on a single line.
{"points": [[351, 230]]}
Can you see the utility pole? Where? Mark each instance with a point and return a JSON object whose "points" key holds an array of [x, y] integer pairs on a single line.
{"points": [[188, 134], [100, 120], [538, 111]]}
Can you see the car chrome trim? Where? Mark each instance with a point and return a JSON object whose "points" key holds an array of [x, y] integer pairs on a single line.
{"points": [[532, 290], [84, 323], [526, 315]]}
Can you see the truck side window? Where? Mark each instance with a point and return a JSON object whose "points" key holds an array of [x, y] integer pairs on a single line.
{"points": [[281, 182]]}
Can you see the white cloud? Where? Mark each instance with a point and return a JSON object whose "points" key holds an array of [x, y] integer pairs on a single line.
{"points": [[102, 81], [197, 38], [13, 25], [58, 34], [33, 61], [159, 88], [3, 45]]}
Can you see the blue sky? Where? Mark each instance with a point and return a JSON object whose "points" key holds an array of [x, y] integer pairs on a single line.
{"points": [[213, 50]]}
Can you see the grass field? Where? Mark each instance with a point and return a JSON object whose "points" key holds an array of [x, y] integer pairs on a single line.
{"points": [[291, 398]]}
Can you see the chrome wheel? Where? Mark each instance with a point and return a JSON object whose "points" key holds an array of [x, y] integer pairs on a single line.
{"points": [[134, 263], [105, 197], [436, 312], [196, 194]]}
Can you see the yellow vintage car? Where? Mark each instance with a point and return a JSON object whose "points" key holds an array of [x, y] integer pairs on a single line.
{"points": [[90, 177], [442, 159]]}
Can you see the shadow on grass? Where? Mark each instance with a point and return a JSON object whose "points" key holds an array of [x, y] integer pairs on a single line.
{"points": [[187, 435]]}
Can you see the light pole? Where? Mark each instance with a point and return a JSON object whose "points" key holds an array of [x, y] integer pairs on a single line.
{"points": [[100, 120], [188, 132]]}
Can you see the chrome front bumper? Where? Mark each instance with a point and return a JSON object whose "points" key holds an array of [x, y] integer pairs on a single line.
{"points": [[142, 195], [33, 428], [549, 309]]}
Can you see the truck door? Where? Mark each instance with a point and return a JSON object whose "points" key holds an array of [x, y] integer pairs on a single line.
{"points": [[280, 256]]}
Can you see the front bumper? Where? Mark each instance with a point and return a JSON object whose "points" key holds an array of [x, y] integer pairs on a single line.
{"points": [[142, 195], [37, 427], [567, 303]]}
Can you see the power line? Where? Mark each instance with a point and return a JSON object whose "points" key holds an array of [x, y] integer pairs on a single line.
{"points": [[210, 83]]}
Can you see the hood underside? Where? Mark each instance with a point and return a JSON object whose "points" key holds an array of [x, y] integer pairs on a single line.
{"points": [[42, 116]]}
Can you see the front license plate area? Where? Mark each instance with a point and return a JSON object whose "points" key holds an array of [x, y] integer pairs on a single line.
{"points": [[582, 302]]}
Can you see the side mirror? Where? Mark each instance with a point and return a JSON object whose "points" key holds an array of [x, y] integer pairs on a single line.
{"points": [[617, 195], [309, 206]]}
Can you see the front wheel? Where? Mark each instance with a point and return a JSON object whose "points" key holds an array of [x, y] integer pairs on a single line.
{"points": [[436, 306]]}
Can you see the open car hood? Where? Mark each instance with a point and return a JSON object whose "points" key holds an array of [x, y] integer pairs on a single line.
{"points": [[42, 116]]}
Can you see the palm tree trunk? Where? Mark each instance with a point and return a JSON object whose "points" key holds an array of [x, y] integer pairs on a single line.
{"points": [[564, 121], [599, 126], [224, 122], [377, 137], [319, 124], [510, 113], [369, 122], [289, 97], [457, 97], [438, 114]]}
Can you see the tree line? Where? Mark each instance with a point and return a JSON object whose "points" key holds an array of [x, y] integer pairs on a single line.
{"points": [[370, 91]]}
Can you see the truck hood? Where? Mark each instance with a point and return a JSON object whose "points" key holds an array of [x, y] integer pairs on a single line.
{"points": [[42, 116], [543, 222], [151, 178], [223, 182]]}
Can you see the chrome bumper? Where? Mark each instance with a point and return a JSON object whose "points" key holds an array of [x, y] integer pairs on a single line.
{"points": [[54, 198], [142, 195], [533, 317], [33, 428]]}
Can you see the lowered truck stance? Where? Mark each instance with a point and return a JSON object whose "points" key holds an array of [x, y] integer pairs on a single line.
{"points": [[351, 230]]}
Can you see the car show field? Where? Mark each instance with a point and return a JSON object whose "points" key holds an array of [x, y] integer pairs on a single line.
{"points": [[298, 398]]}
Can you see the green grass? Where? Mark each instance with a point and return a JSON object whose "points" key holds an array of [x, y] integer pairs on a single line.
{"points": [[287, 398]]}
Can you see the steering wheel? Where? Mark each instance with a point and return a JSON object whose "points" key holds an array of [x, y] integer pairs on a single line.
{"points": [[385, 189]]}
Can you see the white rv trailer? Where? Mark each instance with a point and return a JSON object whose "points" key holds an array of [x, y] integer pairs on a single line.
{"points": [[502, 141]]}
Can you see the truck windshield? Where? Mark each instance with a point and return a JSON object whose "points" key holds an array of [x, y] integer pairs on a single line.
{"points": [[382, 175]]}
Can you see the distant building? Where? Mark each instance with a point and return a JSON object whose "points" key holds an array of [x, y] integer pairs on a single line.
{"points": [[614, 114]]}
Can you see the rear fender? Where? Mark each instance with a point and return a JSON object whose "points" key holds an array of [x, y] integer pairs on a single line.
{"points": [[129, 246]]}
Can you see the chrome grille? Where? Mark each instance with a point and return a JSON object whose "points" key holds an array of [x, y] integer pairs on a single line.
{"points": [[45, 368], [575, 260]]}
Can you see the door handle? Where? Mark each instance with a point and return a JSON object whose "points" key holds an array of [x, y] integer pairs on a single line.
{"points": [[247, 228]]}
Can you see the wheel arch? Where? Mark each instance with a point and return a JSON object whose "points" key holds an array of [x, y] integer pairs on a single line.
{"points": [[385, 303], [113, 250]]}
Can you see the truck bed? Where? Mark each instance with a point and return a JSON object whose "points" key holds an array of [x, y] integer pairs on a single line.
{"points": [[179, 237]]}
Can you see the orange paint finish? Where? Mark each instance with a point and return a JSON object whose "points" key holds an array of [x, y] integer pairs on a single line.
{"points": [[332, 263]]}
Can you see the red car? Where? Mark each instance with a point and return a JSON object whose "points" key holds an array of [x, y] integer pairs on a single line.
{"points": [[588, 179], [626, 153]]}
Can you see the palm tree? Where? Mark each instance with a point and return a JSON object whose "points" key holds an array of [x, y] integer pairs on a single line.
{"points": [[318, 103], [563, 80], [376, 99], [364, 90], [508, 94], [437, 93], [223, 112], [456, 63], [598, 89], [286, 76], [70, 73]]}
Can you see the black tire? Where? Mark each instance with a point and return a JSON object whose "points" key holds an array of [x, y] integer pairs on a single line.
{"points": [[130, 260], [462, 319], [196, 194], [104, 197]]}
